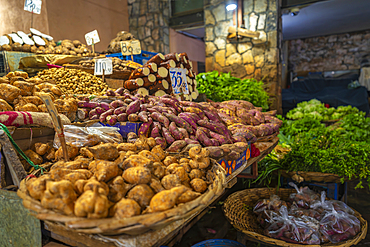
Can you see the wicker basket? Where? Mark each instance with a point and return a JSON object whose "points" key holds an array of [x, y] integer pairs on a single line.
{"points": [[267, 138], [238, 209], [134, 225], [313, 176]]}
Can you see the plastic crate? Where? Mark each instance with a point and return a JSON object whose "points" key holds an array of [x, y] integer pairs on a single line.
{"points": [[219, 243], [140, 58]]}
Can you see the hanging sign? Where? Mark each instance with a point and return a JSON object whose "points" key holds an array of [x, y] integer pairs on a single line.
{"points": [[33, 6], [92, 37], [103, 64], [178, 80], [130, 47]]}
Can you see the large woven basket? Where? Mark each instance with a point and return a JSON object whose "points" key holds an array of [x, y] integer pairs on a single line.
{"points": [[134, 225], [313, 176], [238, 209]]}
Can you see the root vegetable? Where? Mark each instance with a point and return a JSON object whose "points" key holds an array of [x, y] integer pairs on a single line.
{"points": [[117, 103], [144, 129], [172, 56], [143, 116], [110, 92], [120, 91], [122, 117], [133, 107], [137, 175], [199, 185], [105, 106], [185, 116], [104, 115], [157, 59], [179, 122], [161, 142], [133, 117], [169, 64], [190, 141], [162, 72], [160, 118], [140, 72], [85, 104], [133, 84], [203, 138], [184, 132], [167, 135], [119, 110], [215, 152], [153, 67], [155, 132], [98, 110], [160, 93], [175, 131], [111, 120], [82, 113], [177, 146]]}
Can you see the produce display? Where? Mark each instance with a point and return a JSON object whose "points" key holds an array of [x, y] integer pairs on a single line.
{"points": [[154, 77], [117, 64], [340, 149], [223, 87], [317, 110], [115, 44], [121, 180], [74, 81], [176, 124], [20, 93], [305, 219]]}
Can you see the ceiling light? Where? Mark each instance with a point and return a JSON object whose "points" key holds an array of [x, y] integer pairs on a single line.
{"points": [[231, 7]]}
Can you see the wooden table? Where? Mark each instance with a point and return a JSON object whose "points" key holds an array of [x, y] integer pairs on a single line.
{"points": [[167, 236]]}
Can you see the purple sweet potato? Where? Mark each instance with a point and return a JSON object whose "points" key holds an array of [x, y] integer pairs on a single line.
{"points": [[215, 152], [120, 110], [193, 137], [195, 110], [211, 126], [187, 117], [161, 141], [122, 117], [238, 138], [176, 146], [179, 122], [151, 110], [133, 117], [167, 136], [111, 120], [99, 110], [160, 118], [155, 132], [205, 130], [175, 132], [82, 113], [215, 142], [143, 107], [172, 102], [158, 125], [94, 117], [203, 138], [143, 116], [189, 103], [190, 141], [220, 138], [213, 116], [110, 92], [117, 103], [104, 115], [259, 116], [184, 132], [247, 134], [120, 91], [144, 129], [105, 106], [133, 107], [128, 101], [86, 104], [92, 113]]}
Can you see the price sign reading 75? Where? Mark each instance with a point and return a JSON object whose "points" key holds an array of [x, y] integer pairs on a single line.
{"points": [[178, 79]]}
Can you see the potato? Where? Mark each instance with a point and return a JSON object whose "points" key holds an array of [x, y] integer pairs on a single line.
{"points": [[9, 93], [158, 170], [157, 150], [199, 185], [127, 147], [149, 155], [181, 173], [137, 160], [34, 157], [196, 173], [4, 106], [27, 107], [137, 175], [142, 194], [188, 196], [170, 181], [156, 185], [126, 208], [170, 160]]}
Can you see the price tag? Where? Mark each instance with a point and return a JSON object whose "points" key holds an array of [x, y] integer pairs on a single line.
{"points": [[33, 6], [103, 64], [92, 37], [130, 47], [178, 79]]}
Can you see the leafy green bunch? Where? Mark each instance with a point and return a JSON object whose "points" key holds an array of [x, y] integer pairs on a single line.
{"points": [[222, 87]]}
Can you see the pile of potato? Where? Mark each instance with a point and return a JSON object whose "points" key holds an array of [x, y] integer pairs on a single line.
{"points": [[117, 63], [20, 93], [69, 47], [120, 180], [74, 81]]}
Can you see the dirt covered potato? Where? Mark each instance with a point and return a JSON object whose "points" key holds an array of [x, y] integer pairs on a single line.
{"points": [[126, 208], [71, 150], [170, 181], [137, 175], [4, 106], [105, 151], [187, 196], [59, 195], [106, 170], [137, 160], [27, 107], [117, 189], [166, 199], [92, 204], [199, 185], [8, 92], [142, 194], [37, 186]]}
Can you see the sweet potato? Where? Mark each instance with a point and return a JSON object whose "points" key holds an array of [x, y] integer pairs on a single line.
{"points": [[161, 142], [104, 115], [155, 132], [184, 132], [189, 119], [173, 103], [259, 116], [111, 120], [175, 131], [238, 138], [203, 139], [213, 116], [247, 134], [195, 110], [160, 118], [190, 141], [86, 104], [119, 110], [133, 117], [167, 135], [220, 138], [122, 117], [105, 106], [177, 146], [211, 126], [215, 152], [143, 116], [98, 110], [133, 107], [144, 129], [137, 175], [179, 122], [215, 142], [117, 103]]}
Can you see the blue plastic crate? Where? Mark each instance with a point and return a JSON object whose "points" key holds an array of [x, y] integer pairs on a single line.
{"points": [[219, 243], [125, 128], [140, 58]]}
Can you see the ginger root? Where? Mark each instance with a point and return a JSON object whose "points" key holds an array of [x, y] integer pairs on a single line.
{"points": [[199, 158], [92, 204]]}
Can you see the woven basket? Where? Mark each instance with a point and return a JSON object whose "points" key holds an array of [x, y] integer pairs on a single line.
{"points": [[313, 176], [134, 225], [267, 138], [238, 209]]}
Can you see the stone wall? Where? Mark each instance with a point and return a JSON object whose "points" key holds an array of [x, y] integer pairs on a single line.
{"points": [[334, 52], [149, 22], [247, 58]]}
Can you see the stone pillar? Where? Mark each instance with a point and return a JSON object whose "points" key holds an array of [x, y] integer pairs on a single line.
{"points": [[247, 58], [149, 22]]}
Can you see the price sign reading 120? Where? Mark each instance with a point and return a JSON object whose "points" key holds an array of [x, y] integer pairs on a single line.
{"points": [[178, 80], [104, 64]]}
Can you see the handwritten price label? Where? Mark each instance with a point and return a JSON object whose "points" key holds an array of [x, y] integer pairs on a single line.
{"points": [[103, 64], [33, 6], [178, 80], [92, 37], [130, 47]]}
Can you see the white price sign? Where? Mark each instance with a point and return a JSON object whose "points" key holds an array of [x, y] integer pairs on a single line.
{"points": [[103, 64], [178, 80], [33, 6], [130, 47], [92, 37]]}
